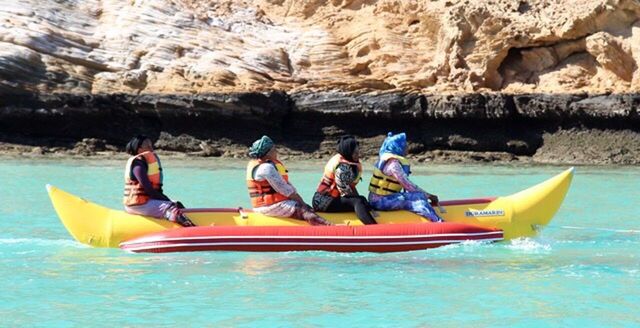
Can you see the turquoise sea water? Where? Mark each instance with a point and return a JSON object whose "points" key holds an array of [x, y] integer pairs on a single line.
{"points": [[583, 270]]}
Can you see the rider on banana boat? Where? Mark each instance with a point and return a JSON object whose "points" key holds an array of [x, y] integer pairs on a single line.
{"points": [[391, 176], [337, 189], [269, 188], [143, 184]]}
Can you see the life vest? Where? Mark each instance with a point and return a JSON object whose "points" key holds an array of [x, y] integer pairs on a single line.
{"points": [[261, 192], [134, 193], [328, 182], [383, 184]]}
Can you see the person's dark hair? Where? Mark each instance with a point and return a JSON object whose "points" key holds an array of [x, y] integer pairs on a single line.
{"points": [[346, 145], [135, 143]]}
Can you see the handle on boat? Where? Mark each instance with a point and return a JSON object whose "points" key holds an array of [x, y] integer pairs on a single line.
{"points": [[242, 213], [435, 202]]}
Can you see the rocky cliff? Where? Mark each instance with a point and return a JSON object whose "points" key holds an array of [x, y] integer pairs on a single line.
{"points": [[552, 80]]}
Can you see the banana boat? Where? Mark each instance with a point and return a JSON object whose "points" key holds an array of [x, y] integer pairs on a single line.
{"points": [[521, 214]]}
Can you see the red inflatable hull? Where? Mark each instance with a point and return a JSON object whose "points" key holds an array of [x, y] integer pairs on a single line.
{"points": [[371, 238]]}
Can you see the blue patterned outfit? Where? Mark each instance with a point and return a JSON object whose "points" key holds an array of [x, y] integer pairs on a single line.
{"points": [[413, 198]]}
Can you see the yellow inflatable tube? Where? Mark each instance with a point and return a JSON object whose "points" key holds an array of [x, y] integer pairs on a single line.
{"points": [[519, 215]]}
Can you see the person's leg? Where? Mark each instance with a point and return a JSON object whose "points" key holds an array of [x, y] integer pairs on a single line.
{"points": [[325, 203], [418, 203], [361, 206], [338, 205], [173, 213], [349, 204], [160, 209], [306, 213], [292, 209], [389, 203], [153, 207], [322, 202]]}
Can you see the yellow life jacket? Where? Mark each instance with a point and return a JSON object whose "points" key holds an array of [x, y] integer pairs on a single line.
{"points": [[382, 184], [261, 192], [134, 193], [328, 182]]}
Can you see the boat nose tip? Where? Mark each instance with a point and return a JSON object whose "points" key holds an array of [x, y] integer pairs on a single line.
{"points": [[48, 186]]}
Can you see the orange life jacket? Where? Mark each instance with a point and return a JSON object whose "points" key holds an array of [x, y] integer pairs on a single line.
{"points": [[328, 182], [261, 192], [133, 191]]}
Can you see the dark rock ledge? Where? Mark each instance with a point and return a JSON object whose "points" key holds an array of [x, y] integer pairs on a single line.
{"points": [[556, 128]]}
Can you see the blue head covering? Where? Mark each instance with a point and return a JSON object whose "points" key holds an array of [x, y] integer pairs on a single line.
{"points": [[395, 144]]}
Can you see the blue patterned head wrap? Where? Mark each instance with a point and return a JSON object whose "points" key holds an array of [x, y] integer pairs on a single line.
{"points": [[395, 144]]}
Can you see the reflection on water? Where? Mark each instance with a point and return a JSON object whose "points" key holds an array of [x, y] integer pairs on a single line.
{"points": [[254, 265]]}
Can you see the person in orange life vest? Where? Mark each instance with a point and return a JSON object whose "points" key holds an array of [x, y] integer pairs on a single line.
{"points": [[337, 189], [143, 185], [269, 187]]}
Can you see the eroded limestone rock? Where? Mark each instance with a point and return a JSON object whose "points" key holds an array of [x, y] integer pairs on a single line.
{"points": [[612, 54], [138, 47]]}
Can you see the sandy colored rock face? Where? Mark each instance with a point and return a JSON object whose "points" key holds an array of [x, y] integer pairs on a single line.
{"points": [[188, 46]]}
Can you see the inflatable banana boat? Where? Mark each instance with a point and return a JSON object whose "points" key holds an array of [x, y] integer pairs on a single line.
{"points": [[369, 238], [518, 215]]}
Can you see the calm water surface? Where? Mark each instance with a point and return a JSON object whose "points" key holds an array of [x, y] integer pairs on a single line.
{"points": [[583, 270]]}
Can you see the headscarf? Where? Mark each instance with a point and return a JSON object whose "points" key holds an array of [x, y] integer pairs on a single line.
{"points": [[260, 147], [395, 144], [346, 145], [134, 144]]}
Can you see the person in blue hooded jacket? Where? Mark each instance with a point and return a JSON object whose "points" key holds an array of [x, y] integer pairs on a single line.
{"points": [[390, 187]]}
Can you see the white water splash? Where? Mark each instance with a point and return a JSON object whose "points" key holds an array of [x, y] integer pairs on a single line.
{"points": [[467, 245], [41, 242], [528, 245]]}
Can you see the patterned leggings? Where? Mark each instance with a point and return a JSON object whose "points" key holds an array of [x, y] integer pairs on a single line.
{"points": [[306, 213], [161, 209], [292, 209], [415, 202]]}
